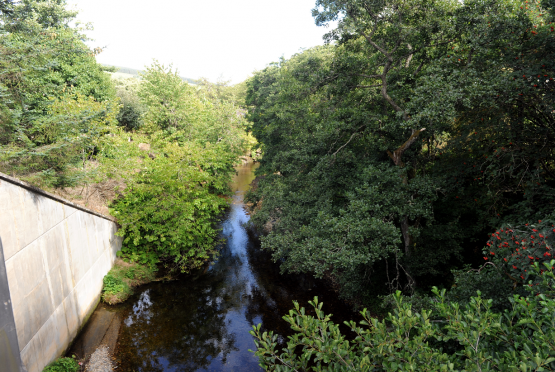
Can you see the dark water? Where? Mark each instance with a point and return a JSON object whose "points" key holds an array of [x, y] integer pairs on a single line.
{"points": [[201, 323]]}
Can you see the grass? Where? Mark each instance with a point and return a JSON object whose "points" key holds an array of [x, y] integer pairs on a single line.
{"points": [[120, 281]]}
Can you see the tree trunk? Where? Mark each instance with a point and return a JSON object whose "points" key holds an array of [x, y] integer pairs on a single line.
{"points": [[396, 156]]}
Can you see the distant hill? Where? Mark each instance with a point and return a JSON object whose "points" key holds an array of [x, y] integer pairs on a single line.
{"points": [[126, 72]]}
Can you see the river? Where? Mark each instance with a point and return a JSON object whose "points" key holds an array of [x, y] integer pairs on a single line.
{"points": [[201, 322]]}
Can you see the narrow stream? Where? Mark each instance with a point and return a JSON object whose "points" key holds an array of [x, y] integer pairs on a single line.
{"points": [[201, 323]]}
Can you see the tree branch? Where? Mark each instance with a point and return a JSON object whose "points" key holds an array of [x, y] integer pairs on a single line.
{"points": [[369, 76], [396, 155], [418, 69], [369, 86], [350, 139]]}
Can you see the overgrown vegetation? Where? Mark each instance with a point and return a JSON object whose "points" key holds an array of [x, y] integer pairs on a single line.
{"points": [[122, 278], [176, 184], [392, 153], [447, 337], [63, 365], [165, 147], [413, 151]]}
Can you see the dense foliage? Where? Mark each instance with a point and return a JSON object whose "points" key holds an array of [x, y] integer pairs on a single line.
{"points": [[391, 153], [167, 212], [63, 365], [164, 148], [55, 101], [177, 181], [448, 337]]}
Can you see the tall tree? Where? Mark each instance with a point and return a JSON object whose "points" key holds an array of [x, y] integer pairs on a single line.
{"points": [[400, 38], [349, 171]]}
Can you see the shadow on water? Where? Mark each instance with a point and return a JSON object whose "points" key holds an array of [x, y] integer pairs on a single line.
{"points": [[201, 323]]}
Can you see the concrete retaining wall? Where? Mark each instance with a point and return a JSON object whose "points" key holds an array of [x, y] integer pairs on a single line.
{"points": [[56, 254]]}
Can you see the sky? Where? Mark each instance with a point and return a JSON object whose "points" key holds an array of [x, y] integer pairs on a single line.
{"points": [[215, 39]]}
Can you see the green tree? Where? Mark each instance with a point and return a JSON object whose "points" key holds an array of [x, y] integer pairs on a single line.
{"points": [[175, 191], [131, 112], [167, 211], [172, 104], [44, 61], [351, 193]]}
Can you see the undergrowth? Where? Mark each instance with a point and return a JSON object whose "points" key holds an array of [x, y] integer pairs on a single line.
{"points": [[120, 281], [63, 365]]}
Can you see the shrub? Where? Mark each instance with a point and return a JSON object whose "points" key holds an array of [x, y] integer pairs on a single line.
{"points": [[518, 339], [490, 280], [63, 365], [168, 211], [515, 249]]}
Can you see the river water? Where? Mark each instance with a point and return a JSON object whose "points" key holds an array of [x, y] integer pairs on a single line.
{"points": [[201, 322]]}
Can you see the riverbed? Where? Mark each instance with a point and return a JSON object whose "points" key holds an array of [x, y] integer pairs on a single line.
{"points": [[201, 322]]}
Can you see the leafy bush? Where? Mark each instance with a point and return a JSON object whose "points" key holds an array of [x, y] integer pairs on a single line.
{"points": [[516, 248], [167, 212], [489, 280], [63, 365], [131, 112], [174, 192], [520, 338]]}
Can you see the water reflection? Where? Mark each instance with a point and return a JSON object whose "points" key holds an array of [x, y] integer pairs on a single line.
{"points": [[202, 323]]}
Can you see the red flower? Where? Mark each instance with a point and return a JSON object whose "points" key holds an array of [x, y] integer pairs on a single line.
{"points": [[514, 267], [485, 258], [492, 253]]}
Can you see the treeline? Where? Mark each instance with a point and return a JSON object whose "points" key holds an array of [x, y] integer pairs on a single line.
{"points": [[164, 149], [415, 150], [392, 153]]}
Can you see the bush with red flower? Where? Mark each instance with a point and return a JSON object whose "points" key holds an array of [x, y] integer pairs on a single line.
{"points": [[515, 249]]}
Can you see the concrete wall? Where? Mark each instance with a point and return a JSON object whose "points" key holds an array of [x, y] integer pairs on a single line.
{"points": [[9, 348], [56, 254]]}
